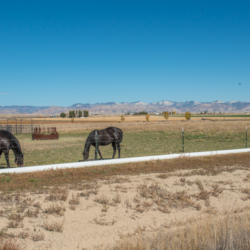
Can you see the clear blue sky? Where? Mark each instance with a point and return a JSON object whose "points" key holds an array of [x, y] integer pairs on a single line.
{"points": [[65, 52]]}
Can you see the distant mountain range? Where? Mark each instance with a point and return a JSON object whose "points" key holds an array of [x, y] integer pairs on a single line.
{"points": [[124, 107]]}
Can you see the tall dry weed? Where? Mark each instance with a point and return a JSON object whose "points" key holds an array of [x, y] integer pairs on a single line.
{"points": [[211, 233]]}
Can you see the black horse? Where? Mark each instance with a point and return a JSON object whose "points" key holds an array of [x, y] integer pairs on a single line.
{"points": [[9, 141], [104, 137]]}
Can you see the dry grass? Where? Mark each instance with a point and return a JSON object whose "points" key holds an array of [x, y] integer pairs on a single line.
{"points": [[210, 165], [103, 222], [32, 213], [102, 200], [229, 232], [58, 194], [55, 209], [37, 236], [9, 244]]}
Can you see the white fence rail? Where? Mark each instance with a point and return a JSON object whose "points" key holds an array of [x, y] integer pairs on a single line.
{"points": [[119, 161]]}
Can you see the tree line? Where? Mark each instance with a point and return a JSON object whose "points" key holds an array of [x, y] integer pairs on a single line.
{"points": [[75, 113]]}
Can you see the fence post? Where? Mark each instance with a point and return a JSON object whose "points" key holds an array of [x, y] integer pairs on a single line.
{"points": [[16, 126], [182, 140], [246, 136], [96, 145]]}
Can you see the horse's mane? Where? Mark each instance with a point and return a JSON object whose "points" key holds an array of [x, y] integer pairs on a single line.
{"points": [[17, 144], [88, 142]]}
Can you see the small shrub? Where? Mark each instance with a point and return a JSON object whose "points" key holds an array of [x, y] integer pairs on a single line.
{"points": [[37, 236], [188, 115], [23, 235], [53, 226], [103, 200], [166, 115], [101, 222], [147, 117], [15, 217], [116, 199], [55, 209], [14, 224], [122, 118], [32, 213], [75, 200]]}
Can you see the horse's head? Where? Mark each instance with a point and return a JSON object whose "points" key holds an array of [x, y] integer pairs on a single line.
{"points": [[85, 155], [19, 160]]}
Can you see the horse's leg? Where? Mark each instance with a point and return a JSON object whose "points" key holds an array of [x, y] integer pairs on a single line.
{"points": [[1, 152], [6, 154], [99, 152], [114, 149], [119, 149], [95, 152]]}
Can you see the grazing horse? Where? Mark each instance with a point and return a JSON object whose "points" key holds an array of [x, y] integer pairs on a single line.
{"points": [[9, 141], [104, 137]]}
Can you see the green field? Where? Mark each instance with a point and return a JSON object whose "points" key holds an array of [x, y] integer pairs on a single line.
{"points": [[70, 146]]}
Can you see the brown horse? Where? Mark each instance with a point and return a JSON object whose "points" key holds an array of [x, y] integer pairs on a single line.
{"points": [[104, 137], [9, 141]]}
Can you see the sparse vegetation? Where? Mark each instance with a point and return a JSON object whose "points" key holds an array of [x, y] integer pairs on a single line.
{"points": [[55, 209], [188, 116], [54, 226]]}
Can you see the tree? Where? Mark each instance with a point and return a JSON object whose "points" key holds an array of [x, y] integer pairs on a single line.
{"points": [[147, 117], [63, 115], [165, 114], [173, 112], [86, 113], [79, 113], [141, 113], [188, 115], [72, 113]]}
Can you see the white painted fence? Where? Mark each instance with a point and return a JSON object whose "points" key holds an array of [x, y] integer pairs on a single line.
{"points": [[119, 161]]}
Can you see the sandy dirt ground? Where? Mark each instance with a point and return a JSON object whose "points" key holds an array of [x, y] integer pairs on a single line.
{"points": [[96, 215]]}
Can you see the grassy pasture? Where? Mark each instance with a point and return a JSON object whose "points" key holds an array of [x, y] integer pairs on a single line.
{"points": [[141, 140]]}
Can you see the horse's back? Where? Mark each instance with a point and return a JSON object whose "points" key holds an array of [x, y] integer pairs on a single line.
{"points": [[8, 137], [4, 134], [116, 132]]}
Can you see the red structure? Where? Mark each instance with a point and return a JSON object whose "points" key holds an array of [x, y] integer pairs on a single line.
{"points": [[39, 135]]}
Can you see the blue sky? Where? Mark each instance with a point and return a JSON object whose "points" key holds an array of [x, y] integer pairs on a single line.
{"points": [[65, 52]]}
